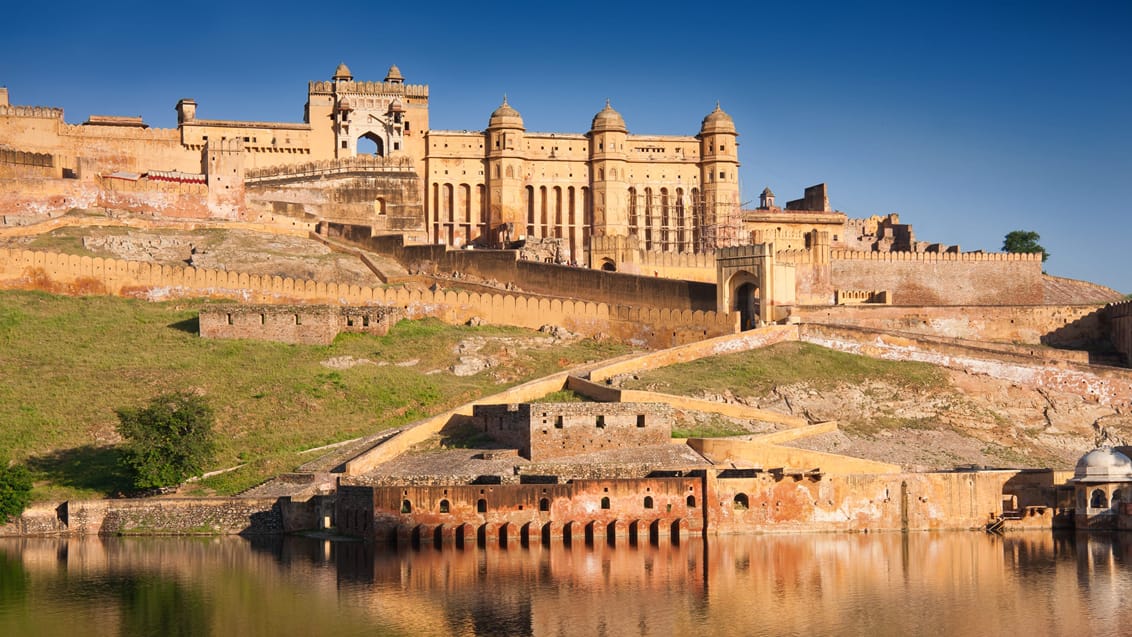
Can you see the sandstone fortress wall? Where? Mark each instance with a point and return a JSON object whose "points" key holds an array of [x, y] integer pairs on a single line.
{"points": [[69, 273]]}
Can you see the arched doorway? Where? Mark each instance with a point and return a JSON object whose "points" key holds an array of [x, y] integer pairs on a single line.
{"points": [[371, 144], [745, 292], [608, 265]]}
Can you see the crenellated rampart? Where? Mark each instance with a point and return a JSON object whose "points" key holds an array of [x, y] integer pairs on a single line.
{"points": [[61, 273], [369, 88], [330, 167], [1119, 317], [43, 112]]}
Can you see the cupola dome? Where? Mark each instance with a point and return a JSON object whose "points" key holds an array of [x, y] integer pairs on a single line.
{"points": [[342, 72], [1103, 465], [505, 117], [394, 75], [717, 122], [608, 119]]}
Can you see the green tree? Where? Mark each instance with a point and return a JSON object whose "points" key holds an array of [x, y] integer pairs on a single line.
{"points": [[168, 440], [1024, 242], [15, 491]]}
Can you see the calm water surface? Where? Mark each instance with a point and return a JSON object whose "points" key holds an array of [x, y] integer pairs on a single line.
{"points": [[1028, 585]]}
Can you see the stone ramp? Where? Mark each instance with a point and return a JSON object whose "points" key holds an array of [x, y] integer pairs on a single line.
{"points": [[1062, 291]]}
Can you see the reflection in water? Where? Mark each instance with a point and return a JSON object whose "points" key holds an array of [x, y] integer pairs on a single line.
{"points": [[889, 584]]}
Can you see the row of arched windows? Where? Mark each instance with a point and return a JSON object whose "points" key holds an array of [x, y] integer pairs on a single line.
{"points": [[544, 504], [662, 220]]}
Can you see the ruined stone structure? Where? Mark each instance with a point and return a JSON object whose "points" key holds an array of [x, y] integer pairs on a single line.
{"points": [[541, 431], [307, 324]]}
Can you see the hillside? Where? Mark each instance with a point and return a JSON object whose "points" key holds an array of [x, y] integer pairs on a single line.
{"points": [[921, 416], [67, 363]]}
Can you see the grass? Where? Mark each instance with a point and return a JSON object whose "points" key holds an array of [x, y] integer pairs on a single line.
{"points": [[562, 396], [66, 363], [758, 372], [714, 427]]}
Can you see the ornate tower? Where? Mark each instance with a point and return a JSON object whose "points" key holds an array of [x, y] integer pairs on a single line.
{"points": [[506, 208], [718, 212], [607, 173]]}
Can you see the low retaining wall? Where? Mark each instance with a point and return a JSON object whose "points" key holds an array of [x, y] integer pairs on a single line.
{"points": [[1105, 385]]}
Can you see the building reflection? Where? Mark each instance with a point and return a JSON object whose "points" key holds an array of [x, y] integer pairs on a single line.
{"points": [[918, 583]]}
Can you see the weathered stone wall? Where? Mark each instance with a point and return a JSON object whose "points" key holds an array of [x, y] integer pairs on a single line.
{"points": [[643, 325], [1105, 385], [917, 278], [542, 431], [535, 277], [1119, 317], [1054, 325], [710, 502], [309, 324]]}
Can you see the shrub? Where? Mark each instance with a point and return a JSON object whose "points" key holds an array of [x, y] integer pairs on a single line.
{"points": [[15, 491], [168, 440]]}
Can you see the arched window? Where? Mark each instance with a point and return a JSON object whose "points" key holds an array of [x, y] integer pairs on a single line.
{"points": [[648, 501], [481, 506], [691, 501], [741, 502], [444, 506], [605, 503], [544, 505], [1099, 500], [406, 506]]}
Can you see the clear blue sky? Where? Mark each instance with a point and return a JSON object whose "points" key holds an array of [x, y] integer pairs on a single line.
{"points": [[969, 119]]}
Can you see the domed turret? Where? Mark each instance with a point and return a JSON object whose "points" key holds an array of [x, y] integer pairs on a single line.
{"points": [[717, 122], [345, 105], [1103, 465], [608, 119], [505, 117], [342, 73], [396, 106], [394, 75]]}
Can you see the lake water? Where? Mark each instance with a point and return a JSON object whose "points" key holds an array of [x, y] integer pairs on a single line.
{"points": [[1025, 584]]}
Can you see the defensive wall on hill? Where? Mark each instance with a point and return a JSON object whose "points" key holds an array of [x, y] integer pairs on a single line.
{"points": [[533, 277], [1053, 325], [74, 274], [1119, 316]]}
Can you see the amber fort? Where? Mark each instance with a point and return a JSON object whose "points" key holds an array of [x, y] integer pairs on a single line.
{"points": [[639, 237]]}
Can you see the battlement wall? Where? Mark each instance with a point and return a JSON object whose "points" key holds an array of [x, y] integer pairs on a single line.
{"points": [[613, 288], [42, 112], [934, 257], [1119, 317], [370, 88], [70, 274], [331, 167]]}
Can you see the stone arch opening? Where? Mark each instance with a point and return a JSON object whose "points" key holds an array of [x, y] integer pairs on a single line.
{"points": [[744, 294], [1098, 500], [691, 501], [444, 506], [406, 506], [481, 506], [371, 144], [741, 502], [648, 502], [608, 265], [544, 504], [605, 503]]}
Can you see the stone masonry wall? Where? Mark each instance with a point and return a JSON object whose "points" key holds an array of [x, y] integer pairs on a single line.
{"points": [[642, 324], [1056, 325], [1119, 317], [542, 431], [941, 278], [308, 324]]}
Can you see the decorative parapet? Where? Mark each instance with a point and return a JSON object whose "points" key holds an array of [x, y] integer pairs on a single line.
{"points": [[368, 88], [44, 112], [360, 163], [26, 158], [968, 257]]}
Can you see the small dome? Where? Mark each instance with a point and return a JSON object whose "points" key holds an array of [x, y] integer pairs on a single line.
{"points": [[717, 122], [1103, 465], [505, 117], [342, 72], [345, 105], [767, 192], [394, 75], [396, 106], [608, 119]]}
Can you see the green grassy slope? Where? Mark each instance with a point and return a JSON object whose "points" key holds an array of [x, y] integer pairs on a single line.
{"points": [[66, 364]]}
